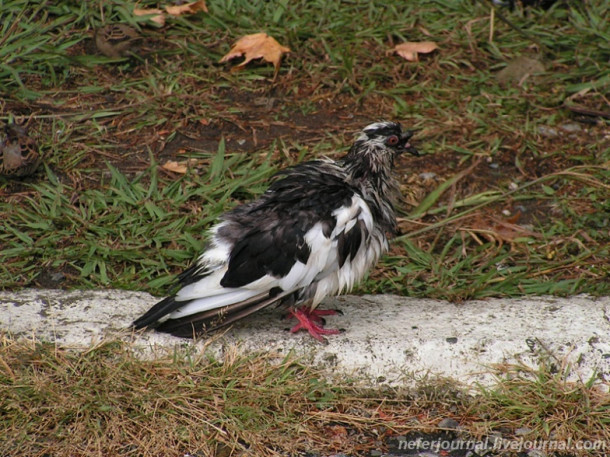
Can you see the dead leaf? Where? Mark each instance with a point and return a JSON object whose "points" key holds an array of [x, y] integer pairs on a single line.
{"points": [[257, 46], [116, 40], [519, 69], [156, 15], [500, 230], [410, 49], [189, 8], [176, 167], [337, 433]]}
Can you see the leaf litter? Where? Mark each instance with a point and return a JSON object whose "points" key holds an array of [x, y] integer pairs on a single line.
{"points": [[257, 46], [158, 15], [411, 50]]}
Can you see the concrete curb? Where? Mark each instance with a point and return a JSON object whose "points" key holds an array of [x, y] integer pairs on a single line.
{"points": [[387, 339]]}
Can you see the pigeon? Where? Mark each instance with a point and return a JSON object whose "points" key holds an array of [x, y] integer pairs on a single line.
{"points": [[316, 232]]}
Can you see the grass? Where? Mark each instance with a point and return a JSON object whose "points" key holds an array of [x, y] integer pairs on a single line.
{"points": [[120, 223], [546, 402], [106, 401], [499, 205], [105, 125]]}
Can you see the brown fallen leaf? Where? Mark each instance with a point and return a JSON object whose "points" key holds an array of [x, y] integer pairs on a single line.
{"points": [[498, 230], [410, 49], [519, 69], [257, 46], [116, 40], [156, 15], [176, 167], [19, 154], [188, 8]]}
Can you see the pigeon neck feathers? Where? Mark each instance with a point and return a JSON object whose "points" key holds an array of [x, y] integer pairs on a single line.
{"points": [[369, 164]]}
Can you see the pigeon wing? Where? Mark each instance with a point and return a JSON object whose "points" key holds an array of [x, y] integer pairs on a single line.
{"points": [[303, 228]]}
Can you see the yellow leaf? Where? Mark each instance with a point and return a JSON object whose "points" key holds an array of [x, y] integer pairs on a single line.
{"points": [[176, 167], [156, 15], [410, 50], [189, 8], [257, 46]]}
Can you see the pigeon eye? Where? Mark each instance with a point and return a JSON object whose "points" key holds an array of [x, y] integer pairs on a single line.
{"points": [[392, 141]]}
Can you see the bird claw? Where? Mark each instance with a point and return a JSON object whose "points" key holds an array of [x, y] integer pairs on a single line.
{"points": [[312, 321]]}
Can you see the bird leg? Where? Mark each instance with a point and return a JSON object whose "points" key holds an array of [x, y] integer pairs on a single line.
{"points": [[312, 321]]}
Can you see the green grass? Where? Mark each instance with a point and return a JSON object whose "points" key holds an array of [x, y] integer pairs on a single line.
{"points": [[103, 215], [125, 232]]}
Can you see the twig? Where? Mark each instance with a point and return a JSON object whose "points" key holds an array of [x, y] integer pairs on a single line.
{"points": [[525, 35]]}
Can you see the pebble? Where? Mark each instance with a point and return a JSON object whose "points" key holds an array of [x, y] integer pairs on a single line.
{"points": [[513, 186], [571, 127], [536, 453], [57, 276], [521, 208], [448, 423], [427, 175], [523, 431], [548, 131]]}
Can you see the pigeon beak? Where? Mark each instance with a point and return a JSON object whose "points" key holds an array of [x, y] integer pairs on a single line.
{"points": [[406, 145]]}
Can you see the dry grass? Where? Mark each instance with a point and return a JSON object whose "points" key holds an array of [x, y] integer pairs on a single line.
{"points": [[483, 142], [105, 401], [546, 402]]}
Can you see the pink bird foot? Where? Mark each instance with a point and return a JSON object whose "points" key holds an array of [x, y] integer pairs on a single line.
{"points": [[312, 321]]}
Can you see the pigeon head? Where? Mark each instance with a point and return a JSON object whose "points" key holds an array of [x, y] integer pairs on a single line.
{"points": [[375, 149], [389, 135]]}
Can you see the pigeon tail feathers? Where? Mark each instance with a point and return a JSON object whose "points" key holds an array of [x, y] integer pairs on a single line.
{"points": [[214, 319]]}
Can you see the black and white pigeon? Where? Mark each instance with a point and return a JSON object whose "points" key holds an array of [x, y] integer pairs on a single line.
{"points": [[318, 229]]}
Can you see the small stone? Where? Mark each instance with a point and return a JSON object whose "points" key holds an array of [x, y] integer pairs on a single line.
{"points": [[513, 186], [536, 453], [549, 132], [571, 127], [427, 175], [522, 431], [494, 165], [506, 212], [451, 340], [448, 424], [57, 276]]}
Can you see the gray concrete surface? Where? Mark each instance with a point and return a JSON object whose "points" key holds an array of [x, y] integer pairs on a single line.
{"points": [[387, 339]]}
